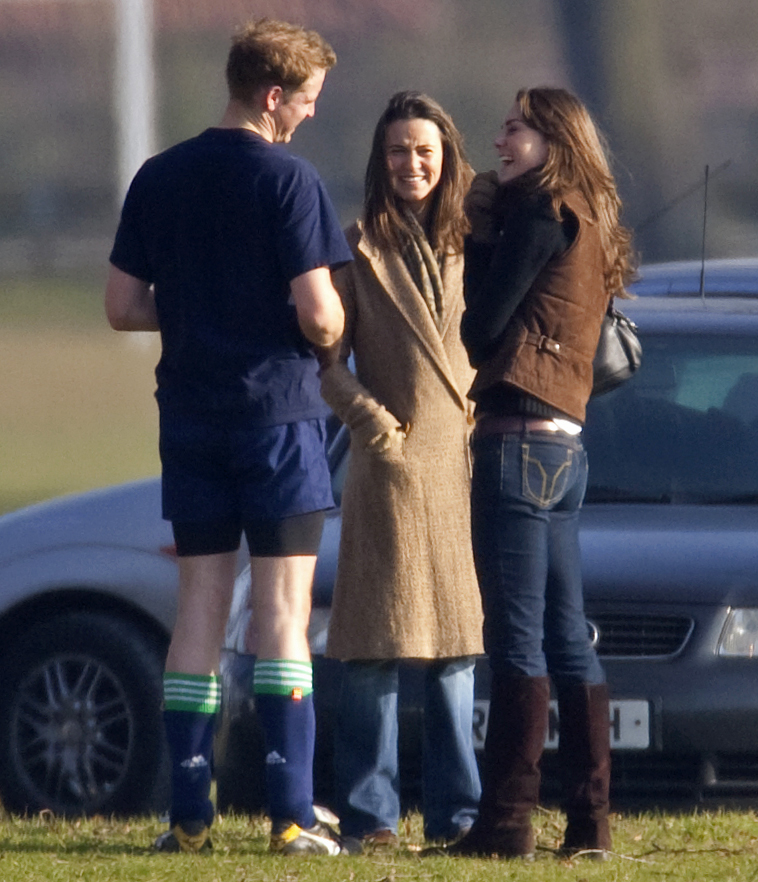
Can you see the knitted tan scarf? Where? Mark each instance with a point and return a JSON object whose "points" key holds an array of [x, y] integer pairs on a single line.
{"points": [[425, 268]]}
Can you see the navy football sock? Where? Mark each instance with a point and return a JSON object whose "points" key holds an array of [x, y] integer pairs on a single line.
{"points": [[190, 706], [284, 701]]}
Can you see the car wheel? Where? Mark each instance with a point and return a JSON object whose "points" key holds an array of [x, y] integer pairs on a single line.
{"points": [[80, 720]]}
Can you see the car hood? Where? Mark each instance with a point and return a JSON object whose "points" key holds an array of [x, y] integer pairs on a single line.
{"points": [[670, 554], [127, 515]]}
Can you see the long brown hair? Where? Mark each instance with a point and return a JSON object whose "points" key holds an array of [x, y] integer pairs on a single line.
{"points": [[385, 222], [578, 160]]}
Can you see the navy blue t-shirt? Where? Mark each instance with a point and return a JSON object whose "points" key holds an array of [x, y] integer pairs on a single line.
{"points": [[220, 225]]}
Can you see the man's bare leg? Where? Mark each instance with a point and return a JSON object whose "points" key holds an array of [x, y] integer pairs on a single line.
{"points": [[206, 584], [281, 603]]}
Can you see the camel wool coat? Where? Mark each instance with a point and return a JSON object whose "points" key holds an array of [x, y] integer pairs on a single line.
{"points": [[406, 585]]}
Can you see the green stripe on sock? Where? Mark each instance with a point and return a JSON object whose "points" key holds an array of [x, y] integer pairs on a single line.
{"points": [[197, 693], [280, 676]]}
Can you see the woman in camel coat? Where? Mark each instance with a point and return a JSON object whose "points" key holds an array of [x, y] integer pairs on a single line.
{"points": [[406, 585]]}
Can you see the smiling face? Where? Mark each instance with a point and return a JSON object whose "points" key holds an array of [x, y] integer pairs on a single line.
{"points": [[520, 147], [413, 148], [301, 104]]}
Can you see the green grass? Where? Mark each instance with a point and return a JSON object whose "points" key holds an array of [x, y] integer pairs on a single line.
{"points": [[688, 847], [76, 398], [66, 299]]}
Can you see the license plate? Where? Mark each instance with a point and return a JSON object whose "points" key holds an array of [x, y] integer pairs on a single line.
{"points": [[629, 724]]}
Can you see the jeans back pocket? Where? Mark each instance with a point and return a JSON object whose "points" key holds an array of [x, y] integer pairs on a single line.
{"points": [[545, 472]]}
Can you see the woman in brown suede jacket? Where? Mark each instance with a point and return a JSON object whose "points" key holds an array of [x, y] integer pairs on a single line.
{"points": [[545, 256]]}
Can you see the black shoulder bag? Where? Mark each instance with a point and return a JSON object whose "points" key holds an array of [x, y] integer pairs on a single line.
{"points": [[619, 352]]}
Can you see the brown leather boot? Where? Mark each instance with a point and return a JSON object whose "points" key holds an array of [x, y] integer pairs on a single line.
{"points": [[510, 788], [585, 758]]}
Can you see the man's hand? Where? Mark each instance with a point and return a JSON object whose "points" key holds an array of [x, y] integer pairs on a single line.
{"points": [[479, 207], [319, 308], [328, 355]]}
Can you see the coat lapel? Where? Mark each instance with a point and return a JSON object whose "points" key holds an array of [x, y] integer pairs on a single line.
{"points": [[393, 276]]}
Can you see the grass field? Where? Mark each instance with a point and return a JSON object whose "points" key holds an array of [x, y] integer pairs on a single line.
{"points": [[76, 398], [647, 848]]}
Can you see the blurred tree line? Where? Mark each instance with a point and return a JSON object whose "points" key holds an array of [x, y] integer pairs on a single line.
{"points": [[672, 83]]}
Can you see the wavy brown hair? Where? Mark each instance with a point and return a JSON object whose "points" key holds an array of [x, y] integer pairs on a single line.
{"points": [[578, 160], [385, 221], [274, 53]]}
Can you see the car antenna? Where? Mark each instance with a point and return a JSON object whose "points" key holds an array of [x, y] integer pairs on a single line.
{"points": [[651, 218], [702, 249]]}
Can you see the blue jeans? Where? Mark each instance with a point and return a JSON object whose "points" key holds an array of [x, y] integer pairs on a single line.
{"points": [[527, 492], [367, 780]]}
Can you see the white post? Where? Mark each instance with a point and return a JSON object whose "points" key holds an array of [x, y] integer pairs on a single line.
{"points": [[134, 85]]}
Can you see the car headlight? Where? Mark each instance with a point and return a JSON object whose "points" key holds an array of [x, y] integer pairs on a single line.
{"points": [[740, 634]]}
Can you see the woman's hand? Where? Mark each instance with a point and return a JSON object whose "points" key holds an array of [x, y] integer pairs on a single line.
{"points": [[479, 207], [387, 440]]}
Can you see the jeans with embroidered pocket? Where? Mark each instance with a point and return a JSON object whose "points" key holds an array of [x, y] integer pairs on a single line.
{"points": [[527, 492]]}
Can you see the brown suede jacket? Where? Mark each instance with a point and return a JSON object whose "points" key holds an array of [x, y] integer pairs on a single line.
{"points": [[535, 300]]}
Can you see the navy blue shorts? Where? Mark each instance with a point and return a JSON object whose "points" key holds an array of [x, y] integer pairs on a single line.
{"points": [[219, 480]]}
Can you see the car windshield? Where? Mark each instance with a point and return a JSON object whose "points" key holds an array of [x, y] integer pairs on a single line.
{"points": [[683, 430]]}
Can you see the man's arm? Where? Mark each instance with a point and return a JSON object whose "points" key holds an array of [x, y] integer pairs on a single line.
{"points": [[129, 303], [319, 308]]}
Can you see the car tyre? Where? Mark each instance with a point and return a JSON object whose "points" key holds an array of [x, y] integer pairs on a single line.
{"points": [[80, 719]]}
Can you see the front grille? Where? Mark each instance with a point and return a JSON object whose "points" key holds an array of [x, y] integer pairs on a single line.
{"points": [[634, 636], [734, 769], [646, 774]]}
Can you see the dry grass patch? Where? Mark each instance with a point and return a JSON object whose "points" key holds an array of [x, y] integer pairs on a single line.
{"points": [[77, 410]]}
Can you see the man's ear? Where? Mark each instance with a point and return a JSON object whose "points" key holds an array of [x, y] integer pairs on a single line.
{"points": [[273, 97]]}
